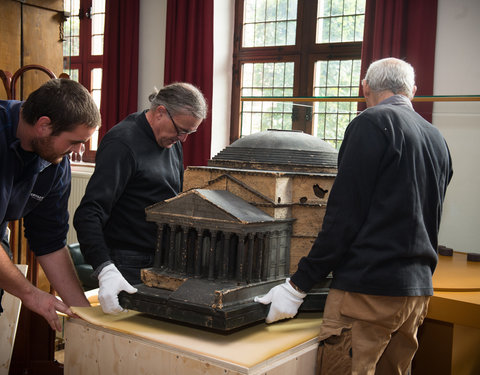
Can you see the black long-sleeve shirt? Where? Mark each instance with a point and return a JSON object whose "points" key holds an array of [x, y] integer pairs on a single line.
{"points": [[379, 234], [131, 173]]}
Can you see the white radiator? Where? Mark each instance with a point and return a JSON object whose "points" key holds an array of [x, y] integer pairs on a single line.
{"points": [[80, 177]]}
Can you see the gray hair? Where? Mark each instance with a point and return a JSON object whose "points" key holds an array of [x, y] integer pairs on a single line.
{"points": [[391, 74], [180, 98]]}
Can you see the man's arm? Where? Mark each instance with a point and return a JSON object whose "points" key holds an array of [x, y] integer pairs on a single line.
{"points": [[33, 298], [60, 271], [114, 166]]}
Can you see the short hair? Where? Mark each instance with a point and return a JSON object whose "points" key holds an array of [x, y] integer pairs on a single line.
{"points": [[66, 102], [391, 74], [180, 98]]}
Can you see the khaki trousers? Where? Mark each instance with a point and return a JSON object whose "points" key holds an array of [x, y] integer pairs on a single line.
{"points": [[367, 334]]}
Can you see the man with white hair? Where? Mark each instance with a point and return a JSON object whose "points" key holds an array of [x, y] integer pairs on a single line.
{"points": [[379, 234]]}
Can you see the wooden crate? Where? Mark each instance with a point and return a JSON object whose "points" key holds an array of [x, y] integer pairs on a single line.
{"points": [[137, 344]]}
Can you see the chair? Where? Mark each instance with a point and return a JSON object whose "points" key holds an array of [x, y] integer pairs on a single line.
{"points": [[84, 270]]}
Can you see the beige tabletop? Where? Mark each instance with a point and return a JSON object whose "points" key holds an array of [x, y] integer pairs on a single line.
{"points": [[455, 273], [247, 347], [456, 297]]}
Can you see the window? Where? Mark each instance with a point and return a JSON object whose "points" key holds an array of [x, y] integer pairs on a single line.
{"points": [[296, 48], [83, 50]]}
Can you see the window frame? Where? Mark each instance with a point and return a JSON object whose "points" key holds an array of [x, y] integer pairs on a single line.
{"points": [[85, 62], [304, 53]]}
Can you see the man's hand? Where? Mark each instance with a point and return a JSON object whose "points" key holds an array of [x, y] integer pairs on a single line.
{"points": [[111, 282], [46, 305], [285, 301]]}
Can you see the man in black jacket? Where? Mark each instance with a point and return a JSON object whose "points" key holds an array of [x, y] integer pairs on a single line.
{"points": [[139, 162], [379, 234]]}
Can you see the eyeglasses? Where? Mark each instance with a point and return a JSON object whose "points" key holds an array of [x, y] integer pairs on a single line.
{"points": [[180, 132]]}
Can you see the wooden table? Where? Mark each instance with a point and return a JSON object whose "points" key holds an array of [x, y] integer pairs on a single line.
{"points": [[449, 340], [134, 343]]}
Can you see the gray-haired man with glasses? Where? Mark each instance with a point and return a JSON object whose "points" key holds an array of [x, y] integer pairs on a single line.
{"points": [[139, 162]]}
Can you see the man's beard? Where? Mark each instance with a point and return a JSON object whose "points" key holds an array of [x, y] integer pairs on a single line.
{"points": [[43, 147]]}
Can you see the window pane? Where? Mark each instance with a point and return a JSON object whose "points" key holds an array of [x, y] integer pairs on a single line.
{"points": [[97, 45], [72, 73], [248, 35], [98, 6], [71, 6], [291, 26], [271, 11], [96, 80], [269, 23], [71, 29], [340, 20], [98, 24], [96, 85], [335, 78], [249, 12], [270, 34], [98, 27], [266, 79]]}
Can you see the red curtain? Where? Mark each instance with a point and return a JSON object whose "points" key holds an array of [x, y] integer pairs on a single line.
{"points": [[407, 30], [120, 62], [189, 58]]}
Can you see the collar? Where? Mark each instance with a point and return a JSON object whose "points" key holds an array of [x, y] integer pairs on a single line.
{"points": [[397, 100], [36, 163]]}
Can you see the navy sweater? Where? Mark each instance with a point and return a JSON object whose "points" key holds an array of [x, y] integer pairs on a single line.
{"points": [[379, 234]]}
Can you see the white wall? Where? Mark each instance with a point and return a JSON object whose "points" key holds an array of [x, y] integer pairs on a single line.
{"points": [[224, 12], [152, 62], [457, 72], [151, 51]]}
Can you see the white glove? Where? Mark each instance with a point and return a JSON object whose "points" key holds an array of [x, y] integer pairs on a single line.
{"points": [[111, 282], [285, 301]]}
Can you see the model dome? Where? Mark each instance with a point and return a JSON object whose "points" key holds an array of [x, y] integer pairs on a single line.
{"points": [[278, 150]]}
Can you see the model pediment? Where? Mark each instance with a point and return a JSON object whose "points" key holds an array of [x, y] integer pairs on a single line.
{"points": [[209, 205]]}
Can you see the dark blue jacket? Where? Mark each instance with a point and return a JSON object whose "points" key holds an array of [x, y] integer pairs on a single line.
{"points": [[31, 188], [379, 234]]}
